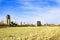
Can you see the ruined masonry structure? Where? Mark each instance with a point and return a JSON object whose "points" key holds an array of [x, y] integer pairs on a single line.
{"points": [[38, 23], [8, 19]]}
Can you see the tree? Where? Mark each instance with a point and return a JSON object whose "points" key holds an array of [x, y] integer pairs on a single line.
{"points": [[13, 24]]}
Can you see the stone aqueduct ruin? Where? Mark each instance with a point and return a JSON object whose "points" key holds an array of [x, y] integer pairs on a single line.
{"points": [[8, 19], [9, 23]]}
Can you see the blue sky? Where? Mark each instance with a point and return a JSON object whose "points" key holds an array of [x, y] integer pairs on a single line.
{"points": [[29, 11]]}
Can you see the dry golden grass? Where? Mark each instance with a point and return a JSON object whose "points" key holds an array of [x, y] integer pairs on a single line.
{"points": [[30, 33]]}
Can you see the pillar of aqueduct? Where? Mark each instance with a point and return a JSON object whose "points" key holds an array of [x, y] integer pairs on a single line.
{"points": [[38, 23], [8, 19]]}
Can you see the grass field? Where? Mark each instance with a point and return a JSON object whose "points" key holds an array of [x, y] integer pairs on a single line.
{"points": [[30, 33]]}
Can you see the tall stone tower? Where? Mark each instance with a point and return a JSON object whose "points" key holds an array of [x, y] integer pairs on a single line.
{"points": [[8, 19], [38, 23]]}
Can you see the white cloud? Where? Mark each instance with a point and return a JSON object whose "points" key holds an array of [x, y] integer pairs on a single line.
{"points": [[58, 1], [49, 14], [46, 14]]}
